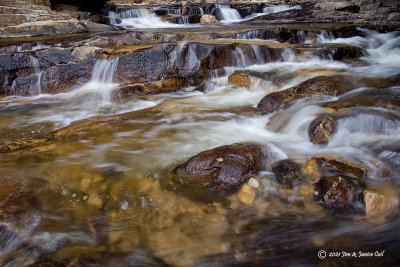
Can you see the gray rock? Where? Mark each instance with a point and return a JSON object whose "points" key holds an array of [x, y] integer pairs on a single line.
{"points": [[86, 53], [55, 55]]}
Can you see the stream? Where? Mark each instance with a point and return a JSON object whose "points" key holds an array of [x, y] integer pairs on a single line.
{"points": [[107, 193]]}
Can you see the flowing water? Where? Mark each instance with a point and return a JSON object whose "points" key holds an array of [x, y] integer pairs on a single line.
{"points": [[106, 188]]}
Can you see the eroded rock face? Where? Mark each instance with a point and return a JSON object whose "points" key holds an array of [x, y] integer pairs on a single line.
{"points": [[321, 85], [222, 168], [321, 129], [340, 193], [287, 172]]}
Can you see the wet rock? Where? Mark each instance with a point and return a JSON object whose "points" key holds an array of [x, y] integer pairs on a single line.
{"points": [[19, 212], [221, 168], [247, 194], [208, 20], [311, 170], [344, 166], [321, 85], [166, 85], [287, 173], [55, 55], [239, 80], [64, 77], [37, 140], [340, 193], [142, 66], [377, 204], [321, 129]]}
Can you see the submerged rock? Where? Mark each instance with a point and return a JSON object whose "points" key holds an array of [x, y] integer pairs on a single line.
{"points": [[287, 172], [344, 166], [340, 193], [221, 168], [321, 129], [208, 20], [321, 85], [19, 213]]}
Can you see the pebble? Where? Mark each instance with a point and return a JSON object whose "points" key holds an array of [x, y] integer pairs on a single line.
{"points": [[253, 183]]}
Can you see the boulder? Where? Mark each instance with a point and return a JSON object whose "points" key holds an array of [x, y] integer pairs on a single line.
{"points": [[208, 20], [340, 193], [221, 168], [321, 129], [287, 173], [320, 85], [239, 80]]}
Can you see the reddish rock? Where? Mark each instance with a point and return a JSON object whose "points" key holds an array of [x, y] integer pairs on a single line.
{"points": [[321, 129], [222, 168], [321, 85], [340, 193]]}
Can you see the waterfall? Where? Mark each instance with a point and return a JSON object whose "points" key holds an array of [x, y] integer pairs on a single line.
{"points": [[228, 14], [277, 9], [142, 18], [185, 20], [99, 88], [174, 12], [258, 54], [201, 11], [137, 18], [288, 55], [38, 73]]}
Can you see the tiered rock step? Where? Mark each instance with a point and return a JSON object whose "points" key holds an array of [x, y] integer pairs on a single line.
{"points": [[17, 12]]}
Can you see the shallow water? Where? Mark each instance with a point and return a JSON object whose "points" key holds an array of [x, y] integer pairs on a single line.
{"points": [[108, 196]]}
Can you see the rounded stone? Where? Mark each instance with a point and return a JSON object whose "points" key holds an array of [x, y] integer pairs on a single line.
{"points": [[287, 172], [321, 129]]}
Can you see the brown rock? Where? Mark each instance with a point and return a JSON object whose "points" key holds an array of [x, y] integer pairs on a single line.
{"points": [[346, 167], [18, 210], [152, 87], [208, 20], [239, 80], [224, 167], [321, 85], [340, 193], [311, 170], [287, 173], [63, 77], [321, 129]]}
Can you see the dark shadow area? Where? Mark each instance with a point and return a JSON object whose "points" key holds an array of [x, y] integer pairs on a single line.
{"points": [[93, 6]]}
